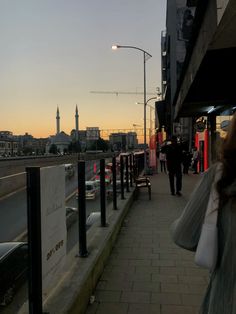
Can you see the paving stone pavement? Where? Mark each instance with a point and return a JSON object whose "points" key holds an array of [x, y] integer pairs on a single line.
{"points": [[146, 272]]}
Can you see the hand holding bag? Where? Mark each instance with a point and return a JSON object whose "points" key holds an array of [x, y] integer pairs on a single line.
{"points": [[207, 249]]}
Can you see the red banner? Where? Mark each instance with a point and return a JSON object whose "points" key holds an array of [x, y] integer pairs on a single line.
{"points": [[152, 152]]}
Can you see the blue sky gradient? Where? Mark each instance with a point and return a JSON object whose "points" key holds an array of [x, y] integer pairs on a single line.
{"points": [[55, 52]]}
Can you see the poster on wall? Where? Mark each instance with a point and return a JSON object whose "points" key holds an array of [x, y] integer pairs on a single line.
{"points": [[185, 16], [152, 152], [53, 224]]}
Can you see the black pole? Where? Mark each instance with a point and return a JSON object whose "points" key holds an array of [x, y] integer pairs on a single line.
{"points": [[102, 193], [127, 172], [114, 195], [137, 165], [82, 210], [122, 177], [134, 167], [131, 169], [34, 240]]}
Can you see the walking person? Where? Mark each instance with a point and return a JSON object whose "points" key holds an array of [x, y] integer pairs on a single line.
{"points": [[220, 297], [162, 158], [174, 165]]}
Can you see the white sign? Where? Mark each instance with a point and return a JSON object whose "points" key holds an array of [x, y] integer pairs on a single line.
{"points": [[92, 133], [53, 224]]}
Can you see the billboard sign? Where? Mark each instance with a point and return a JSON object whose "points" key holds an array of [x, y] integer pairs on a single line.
{"points": [[53, 224], [152, 152], [92, 133]]}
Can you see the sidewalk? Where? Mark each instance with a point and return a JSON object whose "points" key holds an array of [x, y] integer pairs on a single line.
{"points": [[146, 272]]}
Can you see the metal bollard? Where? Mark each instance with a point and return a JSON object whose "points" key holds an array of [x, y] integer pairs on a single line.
{"points": [[127, 172], [114, 194], [102, 193], [122, 177], [82, 210], [131, 169], [34, 240]]}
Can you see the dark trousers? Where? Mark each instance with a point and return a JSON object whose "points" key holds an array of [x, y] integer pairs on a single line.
{"points": [[178, 184], [195, 163], [163, 165], [185, 168]]}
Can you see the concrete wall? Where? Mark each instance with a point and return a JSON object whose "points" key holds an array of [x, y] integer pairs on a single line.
{"points": [[208, 29], [13, 175], [12, 171]]}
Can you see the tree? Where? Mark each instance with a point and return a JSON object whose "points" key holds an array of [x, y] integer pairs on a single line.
{"points": [[74, 147], [100, 144], [53, 149]]}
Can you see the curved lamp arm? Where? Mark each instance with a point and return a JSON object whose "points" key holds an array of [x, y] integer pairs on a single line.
{"points": [[114, 47]]}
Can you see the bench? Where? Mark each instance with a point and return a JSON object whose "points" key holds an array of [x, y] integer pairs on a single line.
{"points": [[144, 182]]}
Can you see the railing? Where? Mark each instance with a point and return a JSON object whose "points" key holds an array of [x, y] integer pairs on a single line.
{"points": [[124, 170]]}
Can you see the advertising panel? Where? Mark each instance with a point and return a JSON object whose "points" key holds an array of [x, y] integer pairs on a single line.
{"points": [[92, 133], [53, 224], [152, 152]]}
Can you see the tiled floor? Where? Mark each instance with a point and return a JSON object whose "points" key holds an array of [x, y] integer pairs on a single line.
{"points": [[146, 272]]}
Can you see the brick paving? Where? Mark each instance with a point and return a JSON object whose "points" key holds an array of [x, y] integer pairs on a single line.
{"points": [[146, 272]]}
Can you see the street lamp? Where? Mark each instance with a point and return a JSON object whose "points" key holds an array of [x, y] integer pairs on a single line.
{"points": [[151, 108], [146, 56]]}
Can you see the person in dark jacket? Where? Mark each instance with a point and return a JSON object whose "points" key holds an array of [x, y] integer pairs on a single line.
{"points": [[220, 296], [174, 165]]}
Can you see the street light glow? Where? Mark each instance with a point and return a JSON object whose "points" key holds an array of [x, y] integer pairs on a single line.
{"points": [[146, 56]]}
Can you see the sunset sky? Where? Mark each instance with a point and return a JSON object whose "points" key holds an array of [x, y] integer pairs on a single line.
{"points": [[55, 52]]}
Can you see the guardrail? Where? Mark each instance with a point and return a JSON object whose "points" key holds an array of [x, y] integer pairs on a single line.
{"points": [[33, 192]]}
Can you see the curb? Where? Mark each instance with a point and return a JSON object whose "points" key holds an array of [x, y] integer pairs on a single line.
{"points": [[73, 294]]}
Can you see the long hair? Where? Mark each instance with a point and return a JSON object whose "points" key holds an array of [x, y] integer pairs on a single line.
{"points": [[228, 158]]}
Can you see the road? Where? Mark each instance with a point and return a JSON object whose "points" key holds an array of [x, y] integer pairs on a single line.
{"points": [[72, 233], [72, 239], [13, 209]]}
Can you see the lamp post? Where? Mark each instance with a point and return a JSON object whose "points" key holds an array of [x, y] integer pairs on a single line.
{"points": [[140, 103], [146, 56]]}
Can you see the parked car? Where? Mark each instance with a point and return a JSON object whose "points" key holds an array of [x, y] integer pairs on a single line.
{"points": [[92, 218], [90, 190], [69, 170], [108, 176], [109, 190], [71, 216], [13, 269], [70, 210]]}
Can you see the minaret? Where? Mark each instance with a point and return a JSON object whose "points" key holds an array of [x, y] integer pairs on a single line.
{"points": [[58, 121], [76, 124]]}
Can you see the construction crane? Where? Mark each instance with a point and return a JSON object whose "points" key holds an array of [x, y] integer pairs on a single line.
{"points": [[121, 93], [135, 126]]}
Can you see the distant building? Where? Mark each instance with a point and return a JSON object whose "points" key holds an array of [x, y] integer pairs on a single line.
{"points": [[132, 140], [118, 141], [92, 135], [8, 145], [61, 140], [28, 145], [174, 45]]}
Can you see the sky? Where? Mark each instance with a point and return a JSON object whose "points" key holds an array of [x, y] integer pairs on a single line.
{"points": [[55, 52]]}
